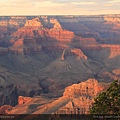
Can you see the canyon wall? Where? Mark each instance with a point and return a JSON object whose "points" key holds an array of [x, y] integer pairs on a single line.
{"points": [[48, 53]]}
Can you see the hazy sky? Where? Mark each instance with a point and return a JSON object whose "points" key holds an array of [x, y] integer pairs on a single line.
{"points": [[59, 7]]}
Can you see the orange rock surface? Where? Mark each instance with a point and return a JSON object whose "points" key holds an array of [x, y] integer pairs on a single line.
{"points": [[34, 23], [4, 109], [23, 100], [79, 53], [82, 96]]}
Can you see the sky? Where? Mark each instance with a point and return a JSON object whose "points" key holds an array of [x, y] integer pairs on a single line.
{"points": [[59, 7]]}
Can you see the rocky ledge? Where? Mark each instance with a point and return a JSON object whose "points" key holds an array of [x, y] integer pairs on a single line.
{"points": [[76, 99]]}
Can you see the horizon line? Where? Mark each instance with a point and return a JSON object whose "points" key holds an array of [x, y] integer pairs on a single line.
{"points": [[65, 15]]}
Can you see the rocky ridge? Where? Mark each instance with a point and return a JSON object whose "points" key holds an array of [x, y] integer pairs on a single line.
{"points": [[76, 99]]}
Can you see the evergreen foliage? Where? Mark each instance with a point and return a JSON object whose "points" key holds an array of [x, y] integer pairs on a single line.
{"points": [[107, 102]]}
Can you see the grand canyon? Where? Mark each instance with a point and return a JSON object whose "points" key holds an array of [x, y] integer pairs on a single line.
{"points": [[56, 64]]}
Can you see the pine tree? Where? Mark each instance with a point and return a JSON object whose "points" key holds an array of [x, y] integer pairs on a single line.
{"points": [[107, 102]]}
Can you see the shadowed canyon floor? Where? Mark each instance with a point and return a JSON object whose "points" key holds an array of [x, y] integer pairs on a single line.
{"points": [[42, 55]]}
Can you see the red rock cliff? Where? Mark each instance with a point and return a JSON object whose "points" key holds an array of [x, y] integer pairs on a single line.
{"points": [[23, 100], [59, 33], [82, 96]]}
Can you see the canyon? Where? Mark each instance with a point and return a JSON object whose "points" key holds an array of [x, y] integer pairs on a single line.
{"points": [[46, 60]]}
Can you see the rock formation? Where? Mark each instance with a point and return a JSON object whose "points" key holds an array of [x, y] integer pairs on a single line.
{"points": [[91, 88], [82, 96], [23, 100], [33, 23], [13, 21], [59, 33], [76, 99], [79, 54], [56, 24], [114, 18], [62, 58], [5, 109]]}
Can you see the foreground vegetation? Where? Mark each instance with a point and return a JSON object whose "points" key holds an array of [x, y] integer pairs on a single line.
{"points": [[108, 102]]}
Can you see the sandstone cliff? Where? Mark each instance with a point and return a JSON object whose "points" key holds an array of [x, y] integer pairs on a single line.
{"points": [[55, 23], [35, 33], [112, 18], [82, 96], [59, 33], [33, 23], [23, 100], [13, 21], [73, 52]]}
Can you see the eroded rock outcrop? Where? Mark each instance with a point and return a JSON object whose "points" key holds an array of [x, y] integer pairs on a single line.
{"points": [[112, 18], [5, 109], [23, 100], [29, 30], [33, 23], [25, 46], [82, 96], [17, 21], [59, 33], [73, 52], [114, 50], [90, 87], [13, 21], [56, 23], [34, 32], [79, 53]]}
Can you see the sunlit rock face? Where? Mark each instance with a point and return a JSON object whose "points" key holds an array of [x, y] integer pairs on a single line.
{"points": [[82, 96], [23, 100], [33, 23], [112, 18], [4, 109], [90, 87]]}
